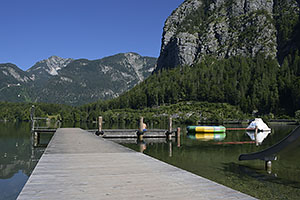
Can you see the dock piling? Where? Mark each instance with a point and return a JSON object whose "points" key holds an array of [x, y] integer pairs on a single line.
{"points": [[170, 125], [141, 130], [170, 149], [178, 136], [100, 122], [169, 131]]}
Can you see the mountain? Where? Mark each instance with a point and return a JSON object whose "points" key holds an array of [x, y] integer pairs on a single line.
{"points": [[84, 81], [14, 83], [201, 28], [242, 52], [43, 70], [74, 82]]}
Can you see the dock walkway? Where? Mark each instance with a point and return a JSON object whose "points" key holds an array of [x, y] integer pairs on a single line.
{"points": [[80, 165]]}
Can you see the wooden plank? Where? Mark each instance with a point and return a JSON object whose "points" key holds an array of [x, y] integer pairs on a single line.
{"points": [[80, 165]]}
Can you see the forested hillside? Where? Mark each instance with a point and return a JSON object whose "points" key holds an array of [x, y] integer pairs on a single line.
{"points": [[213, 90], [265, 88], [219, 60], [74, 82]]}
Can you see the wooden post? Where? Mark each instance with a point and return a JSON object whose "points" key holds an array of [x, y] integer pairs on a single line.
{"points": [[32, 117], [170, 125], [169, 132], [140, 132], [100, 123], [99, 131], [178, 136], [255, 135], [170, 149], [141, 124]]}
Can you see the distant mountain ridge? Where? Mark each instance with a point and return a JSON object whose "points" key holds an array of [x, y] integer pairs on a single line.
{"points": [[44, 69], [74, 82]]}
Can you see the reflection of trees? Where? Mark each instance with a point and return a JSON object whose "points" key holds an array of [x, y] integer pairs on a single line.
{"points": [[16, 150]]}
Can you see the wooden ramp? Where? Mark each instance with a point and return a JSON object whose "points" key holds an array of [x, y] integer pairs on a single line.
{"points": [[80, 165]]}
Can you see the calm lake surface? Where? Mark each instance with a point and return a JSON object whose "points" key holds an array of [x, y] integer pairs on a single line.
{"points": [[17, 157], [213, 157], [216, 158]]}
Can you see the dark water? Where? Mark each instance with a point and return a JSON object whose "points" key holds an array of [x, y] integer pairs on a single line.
{"points": [[215, 158], [18, 157]]}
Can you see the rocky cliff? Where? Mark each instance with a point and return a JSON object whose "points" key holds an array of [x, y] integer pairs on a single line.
{"points": [[221, 28]]}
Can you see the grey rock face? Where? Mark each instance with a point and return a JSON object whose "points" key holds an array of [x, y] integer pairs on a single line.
{"points": [[48, 67], [171, 49], [222, 29], [84, 81]]}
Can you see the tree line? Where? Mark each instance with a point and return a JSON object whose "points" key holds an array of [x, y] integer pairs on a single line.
{"points": [[252, 84], [245, 85]]}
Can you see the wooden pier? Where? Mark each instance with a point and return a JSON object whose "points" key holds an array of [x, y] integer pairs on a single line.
{"points": [[79, 165], [133, 133]]}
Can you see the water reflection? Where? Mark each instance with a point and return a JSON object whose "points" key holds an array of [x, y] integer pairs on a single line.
{"points": [[18, 157], [142, 145], [259, 137], [218, 161], [208, 136]]}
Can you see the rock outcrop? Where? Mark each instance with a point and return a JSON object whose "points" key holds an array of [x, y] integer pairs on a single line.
{"points": [[221, 28], [43, 70]]}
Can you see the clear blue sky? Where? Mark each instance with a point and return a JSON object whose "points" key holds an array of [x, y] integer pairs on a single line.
{"points": [[33, 30]]}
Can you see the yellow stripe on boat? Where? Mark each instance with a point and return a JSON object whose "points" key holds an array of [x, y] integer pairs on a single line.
{"points": [[206, 129]]}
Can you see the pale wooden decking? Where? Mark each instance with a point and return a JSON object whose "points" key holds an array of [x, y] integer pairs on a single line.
{"points": [[80, 165]]}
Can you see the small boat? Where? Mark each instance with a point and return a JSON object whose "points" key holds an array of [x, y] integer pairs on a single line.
{"points": [[206, 129], [260, 124]]}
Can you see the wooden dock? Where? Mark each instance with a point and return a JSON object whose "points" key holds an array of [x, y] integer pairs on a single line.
{"points": [[133, 133], [79, 165]]}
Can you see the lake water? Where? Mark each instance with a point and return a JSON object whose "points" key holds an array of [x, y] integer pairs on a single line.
{"points": [[17, 157], [215, 158]]}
